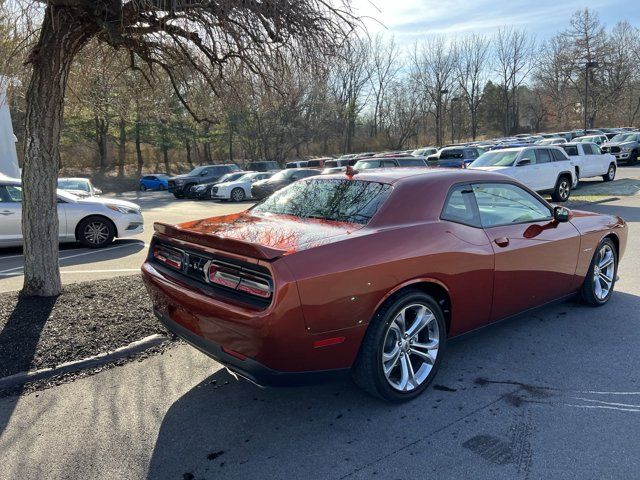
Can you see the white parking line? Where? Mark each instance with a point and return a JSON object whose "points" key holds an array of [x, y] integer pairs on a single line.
{"points": [[4, 272]]}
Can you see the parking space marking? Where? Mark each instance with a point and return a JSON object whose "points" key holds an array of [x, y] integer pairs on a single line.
{"points": [[8, 270]]}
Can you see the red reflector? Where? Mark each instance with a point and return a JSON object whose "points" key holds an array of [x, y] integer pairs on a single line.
{"points": [[233, 353], [328, 342]]}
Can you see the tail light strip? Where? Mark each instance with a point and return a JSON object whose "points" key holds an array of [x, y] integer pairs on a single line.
{"points": [[216, 272]]}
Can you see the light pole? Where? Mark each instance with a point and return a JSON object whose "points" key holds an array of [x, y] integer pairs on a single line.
{"points": [[439, 127], [454, 101], [587, 66]]}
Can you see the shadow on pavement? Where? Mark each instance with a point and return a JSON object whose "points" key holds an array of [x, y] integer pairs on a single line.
{"points": [[19, 340], [72, 254]]}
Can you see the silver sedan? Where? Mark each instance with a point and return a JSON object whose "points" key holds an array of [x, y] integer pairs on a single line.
{"points": [[92, 221]]}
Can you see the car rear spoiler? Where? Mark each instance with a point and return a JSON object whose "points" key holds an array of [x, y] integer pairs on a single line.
{"points": [[231, 245]]}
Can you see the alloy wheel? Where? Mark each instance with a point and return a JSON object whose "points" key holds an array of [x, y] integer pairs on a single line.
{"points": [[563, 189], [237, 195], [410, 347], [96, 233], [603, 272], [612, 172]]}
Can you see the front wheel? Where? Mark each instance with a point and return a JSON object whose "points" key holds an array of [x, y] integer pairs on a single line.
{"points": [[143, 188], [237, 194], [96, 232], [563, 189], [162, 188], [402, 349], [633, 158], [601, 276], [611, 174]]}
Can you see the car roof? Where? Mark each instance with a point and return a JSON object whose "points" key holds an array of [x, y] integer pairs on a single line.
{"points": [[74, 178], [421, 174]]}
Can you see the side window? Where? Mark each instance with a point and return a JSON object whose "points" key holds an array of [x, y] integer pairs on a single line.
{"points": [[543, 155], [595, 150], [558, 156], [388, 163], [528, 155], [10, 194], [460, 207], [507, 204], [571, 150]]}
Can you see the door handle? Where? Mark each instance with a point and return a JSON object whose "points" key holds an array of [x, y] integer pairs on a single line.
{"points": [[7, 212], [502, 241]]}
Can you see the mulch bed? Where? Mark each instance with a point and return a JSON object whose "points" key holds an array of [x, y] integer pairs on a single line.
{"points": [[87, 319]]}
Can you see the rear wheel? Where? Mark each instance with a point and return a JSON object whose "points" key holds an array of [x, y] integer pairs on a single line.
{"points": [[162, 187], [402, 349], [611, 174], [601, 276], [96, 232], [237, 194], [143, 188], [562, 190]]}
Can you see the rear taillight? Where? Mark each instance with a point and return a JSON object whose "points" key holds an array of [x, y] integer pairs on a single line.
{"points": [[168, 256], [239, 280]]}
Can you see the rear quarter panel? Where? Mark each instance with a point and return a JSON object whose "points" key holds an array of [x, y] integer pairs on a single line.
{"points": [[341, 285], [593, 228]]}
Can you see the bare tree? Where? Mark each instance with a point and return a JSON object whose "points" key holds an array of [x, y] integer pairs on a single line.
{"points": [[514, 51], [433, 65], [176, 36], [553, 76], [472, 65], [385, 67]]}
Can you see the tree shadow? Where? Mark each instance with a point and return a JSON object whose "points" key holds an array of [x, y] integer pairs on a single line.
{"points": [[19, 340]]}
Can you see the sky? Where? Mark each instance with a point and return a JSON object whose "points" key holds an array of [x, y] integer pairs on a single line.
{"points": [[411, 20]]}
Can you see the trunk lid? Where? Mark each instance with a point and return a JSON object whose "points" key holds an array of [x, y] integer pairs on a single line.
{"points": [[264, 236]]}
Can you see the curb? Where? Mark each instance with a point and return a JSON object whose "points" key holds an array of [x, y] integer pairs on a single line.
{"points": [[90, 362]]}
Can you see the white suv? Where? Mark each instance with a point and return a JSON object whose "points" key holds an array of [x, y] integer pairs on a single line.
{"points": [[545, 169]]}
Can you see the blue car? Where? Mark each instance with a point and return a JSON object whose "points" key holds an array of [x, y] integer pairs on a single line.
{"points": [[157, 181]]}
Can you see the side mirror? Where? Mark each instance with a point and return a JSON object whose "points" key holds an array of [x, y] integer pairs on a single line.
{"points": [[561, 214], [97, 191], [523, 161]]}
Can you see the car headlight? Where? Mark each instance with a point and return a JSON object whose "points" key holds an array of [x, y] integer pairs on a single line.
{"points": [[179, 182], [626, 149], [123, 209], [201, 188]]}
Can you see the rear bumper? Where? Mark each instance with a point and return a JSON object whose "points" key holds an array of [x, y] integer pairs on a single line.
{"points": [[246, 367]]}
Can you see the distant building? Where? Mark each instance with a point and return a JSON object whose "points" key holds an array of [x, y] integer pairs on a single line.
{"points": [[8, 155]]}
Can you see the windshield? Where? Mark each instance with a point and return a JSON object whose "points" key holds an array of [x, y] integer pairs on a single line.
{"points": [[247, 176], [81, 185], [69, 197], [283, 174], [330, 163], [352, 201], [229, 177], [446, 154], [503, 158], [624, 137], [410, 162]]}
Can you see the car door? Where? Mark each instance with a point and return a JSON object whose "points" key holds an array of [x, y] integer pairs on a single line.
{"points": [[598, 163], [526, 169], [10, 215], [535, 256], [547, 170]]}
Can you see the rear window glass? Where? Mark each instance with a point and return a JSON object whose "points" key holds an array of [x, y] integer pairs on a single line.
{"points": [[451, 154], [352, 201]]}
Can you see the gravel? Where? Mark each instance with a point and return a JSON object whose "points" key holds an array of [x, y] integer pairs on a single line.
{"points": [[87, 319]]}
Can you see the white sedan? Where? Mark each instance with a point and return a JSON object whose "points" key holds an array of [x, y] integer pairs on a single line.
{"points": [[81, 187], [239, 189], [92, 221]]}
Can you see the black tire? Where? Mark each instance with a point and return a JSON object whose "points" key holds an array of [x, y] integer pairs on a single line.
{"points": [[368, 371], [611, 174], [237, 195], [562, 190], [143, 188], [186, 192], [96, 232], [588, 290], [633, 158], [162, 188], [178, 195]]}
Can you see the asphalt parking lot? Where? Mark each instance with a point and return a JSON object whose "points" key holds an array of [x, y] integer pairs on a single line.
{"points": [[552, 394]]}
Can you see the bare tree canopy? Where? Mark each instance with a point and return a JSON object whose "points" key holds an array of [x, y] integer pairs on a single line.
{"points": [[177, 37]]}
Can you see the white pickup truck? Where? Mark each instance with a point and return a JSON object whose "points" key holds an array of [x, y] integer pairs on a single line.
{"points": [[589, 161]]}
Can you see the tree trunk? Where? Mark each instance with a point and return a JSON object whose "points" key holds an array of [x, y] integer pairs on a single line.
{"points": [[165, 156], [122, 148], [61, 37]]}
